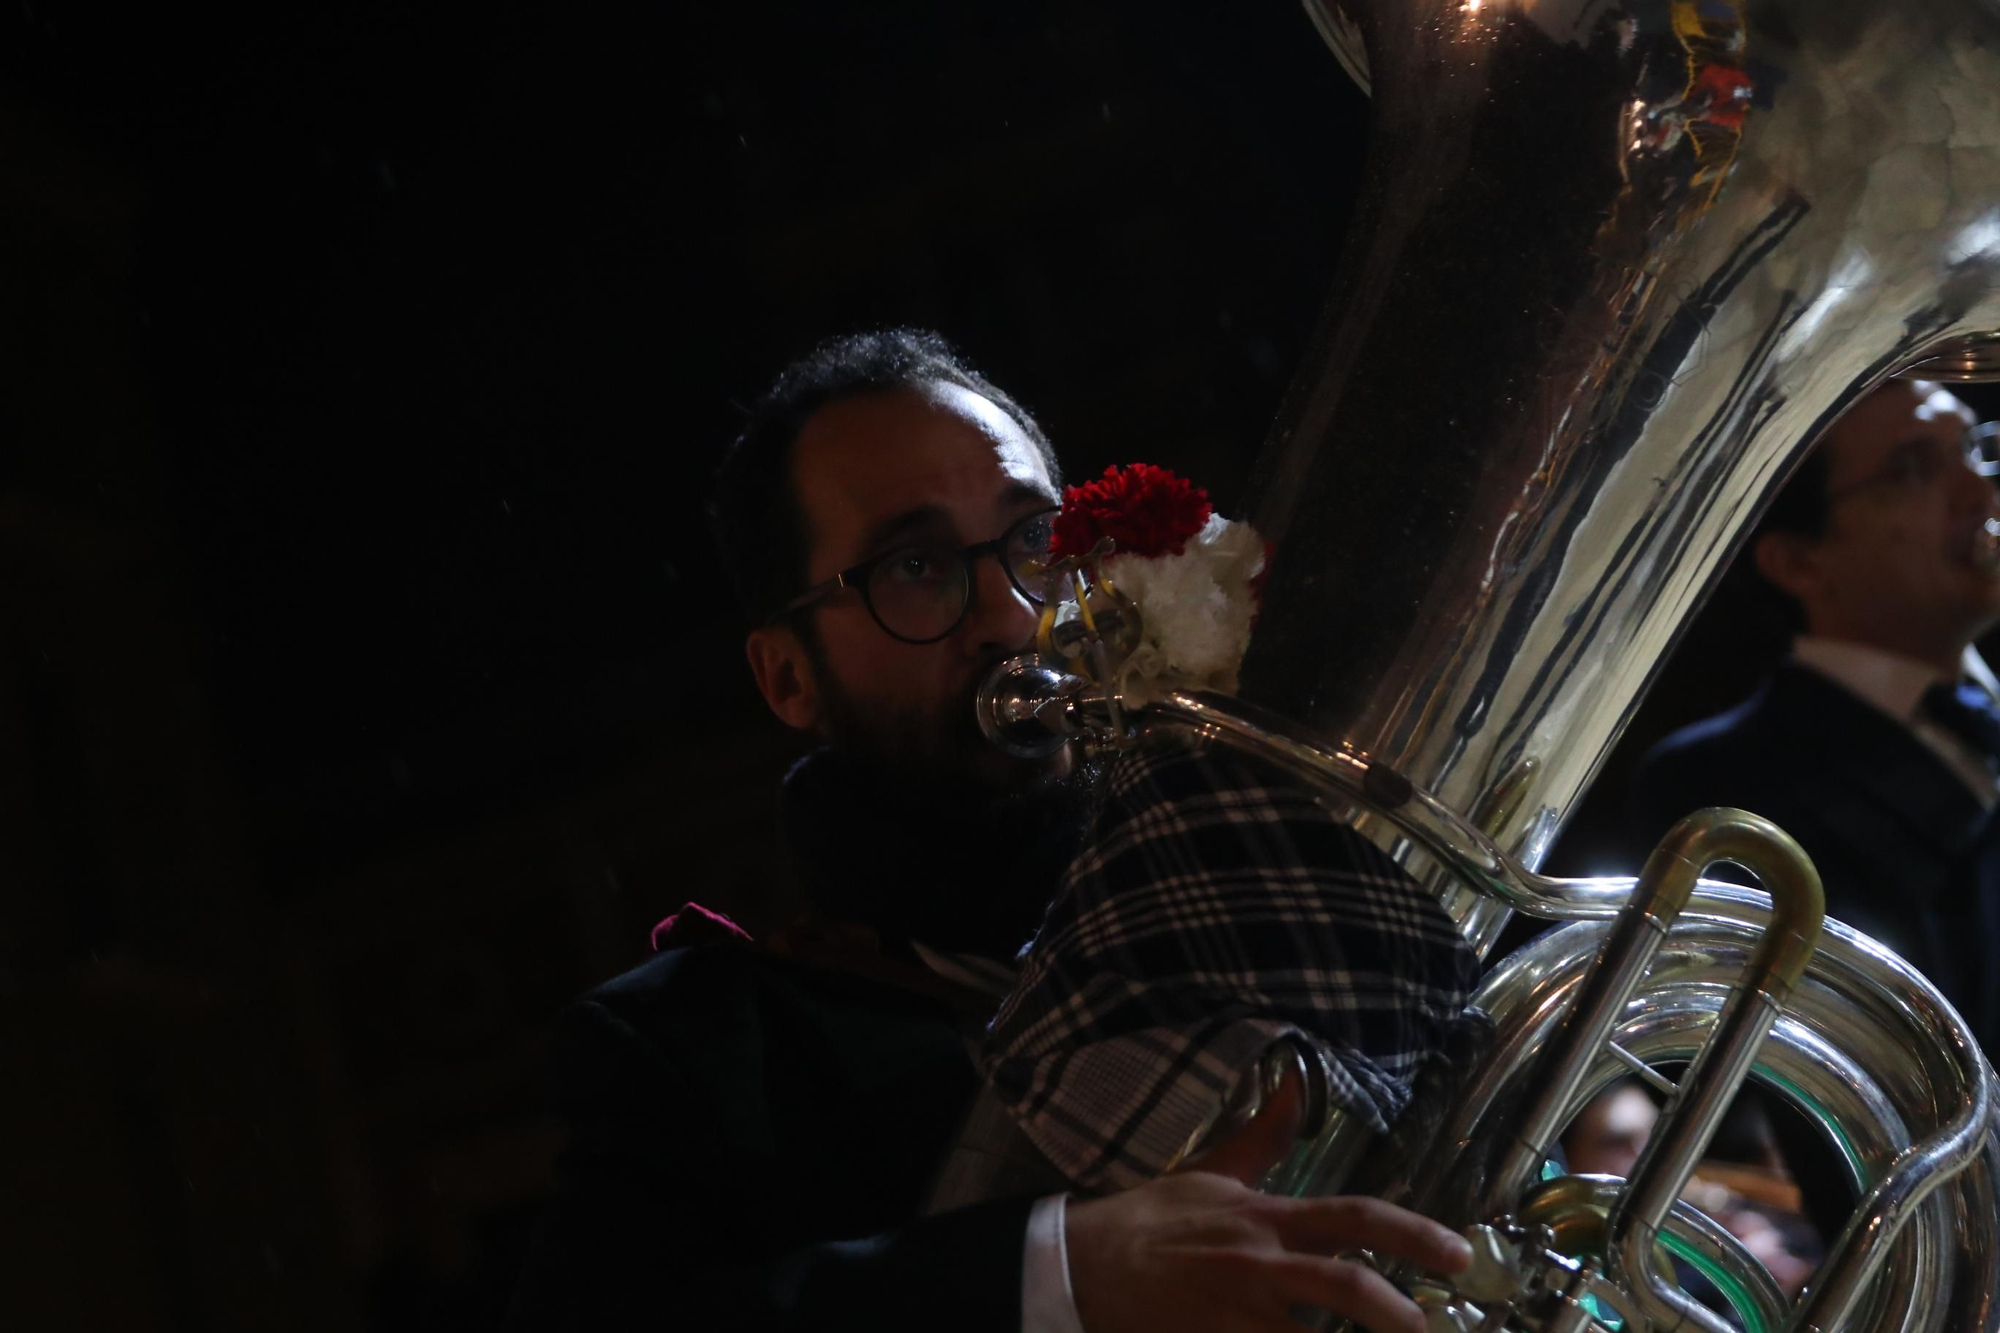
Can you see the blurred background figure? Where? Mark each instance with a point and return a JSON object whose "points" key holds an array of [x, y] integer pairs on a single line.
{"points": [[1742, 1183], [1875, 739], [1607, 1136], [1874, 743]]}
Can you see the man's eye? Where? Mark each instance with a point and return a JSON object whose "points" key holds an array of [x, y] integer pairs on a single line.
{"points": [[912, 567], [1912, 468]]}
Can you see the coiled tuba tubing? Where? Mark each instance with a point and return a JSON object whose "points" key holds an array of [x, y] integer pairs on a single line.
{"points": [[1865, 1048], [1888, 1107]]}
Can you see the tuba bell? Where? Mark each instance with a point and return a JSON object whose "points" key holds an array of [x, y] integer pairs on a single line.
{"points": [[1614, 267]]}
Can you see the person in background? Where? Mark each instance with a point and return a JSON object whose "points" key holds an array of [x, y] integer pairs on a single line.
{"points": [[1742, 1182], [1611, 1130], [1875, 742]]}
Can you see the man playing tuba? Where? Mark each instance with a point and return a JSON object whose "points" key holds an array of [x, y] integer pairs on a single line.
{"points": [[755, 1125]]}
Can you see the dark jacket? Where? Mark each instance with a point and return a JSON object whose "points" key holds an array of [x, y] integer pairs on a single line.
{"points": [[751, 1138], [1905, 851]]}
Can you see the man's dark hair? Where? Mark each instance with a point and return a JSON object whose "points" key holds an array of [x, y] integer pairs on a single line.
{"points": [[1801, 507], [753, 507], [1800, 510]]}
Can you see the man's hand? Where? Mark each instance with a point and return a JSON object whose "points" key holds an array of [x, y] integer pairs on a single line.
{"points": [[1206, 1253]]}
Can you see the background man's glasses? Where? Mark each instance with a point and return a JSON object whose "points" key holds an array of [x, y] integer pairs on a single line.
{"points": [[1915, 465], [920, 593]]}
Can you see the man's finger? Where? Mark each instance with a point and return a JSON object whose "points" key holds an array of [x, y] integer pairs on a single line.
{"points": [[1349, 1290], [1238, 1321], [1328, 1226]]}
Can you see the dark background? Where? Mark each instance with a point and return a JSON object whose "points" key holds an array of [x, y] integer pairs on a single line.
{"points": [[367, 685]]}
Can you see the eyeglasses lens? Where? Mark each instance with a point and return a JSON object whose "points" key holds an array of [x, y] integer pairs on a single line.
{"points": [[918, 593], [1027, 551], [1982, 448]]}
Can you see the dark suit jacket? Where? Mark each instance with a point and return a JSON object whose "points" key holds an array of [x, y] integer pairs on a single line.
{"points": [[750, 1140], [1904, 849]]}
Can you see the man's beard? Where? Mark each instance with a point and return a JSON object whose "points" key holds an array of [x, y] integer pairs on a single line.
{"points": [[948, 750], [962, 847]]}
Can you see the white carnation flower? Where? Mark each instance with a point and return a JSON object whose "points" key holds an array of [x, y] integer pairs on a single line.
{"points": [[1195, 609]]}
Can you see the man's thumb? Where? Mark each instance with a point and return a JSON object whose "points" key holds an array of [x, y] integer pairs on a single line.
{"points": [[1248, 1154]]}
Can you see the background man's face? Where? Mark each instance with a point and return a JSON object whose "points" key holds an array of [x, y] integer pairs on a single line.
{"points": [[1609, 1134], [871, 474], [1906, 561]]}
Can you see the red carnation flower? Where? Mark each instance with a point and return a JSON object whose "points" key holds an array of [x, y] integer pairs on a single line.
{"points": [[1146, 510]]}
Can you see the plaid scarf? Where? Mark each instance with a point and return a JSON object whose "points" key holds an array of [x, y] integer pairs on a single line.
{"points": [[1216, 909]]}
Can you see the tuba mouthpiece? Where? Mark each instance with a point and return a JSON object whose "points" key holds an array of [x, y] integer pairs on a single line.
{"points": [[1028, 708]]}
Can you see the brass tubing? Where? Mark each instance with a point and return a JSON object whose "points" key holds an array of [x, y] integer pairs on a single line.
{"points": [[1875, 1096], [1798, 905], [1479, 862], [1798, 910], [1691, 1117], [1574, 1047], [1472, 857], [1576, 1209], [1842, 1280], [1663, 891]]}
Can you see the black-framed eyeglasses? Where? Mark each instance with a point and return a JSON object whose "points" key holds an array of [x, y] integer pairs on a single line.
{"points": [[1915, 465], [920, 593]]}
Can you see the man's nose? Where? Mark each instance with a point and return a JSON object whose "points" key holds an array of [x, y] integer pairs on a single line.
{"points": [[999, 617]]}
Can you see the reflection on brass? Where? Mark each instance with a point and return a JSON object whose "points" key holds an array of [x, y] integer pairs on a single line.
{"points": [[1704, 1093], [1971, 359], [1614, 267], [1864, 1047], [1496, 810], [1576, 1210], [1798, 905]]}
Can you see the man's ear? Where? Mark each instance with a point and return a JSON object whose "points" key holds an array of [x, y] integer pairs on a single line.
{"points": [[784, 675], [1785, 559]]}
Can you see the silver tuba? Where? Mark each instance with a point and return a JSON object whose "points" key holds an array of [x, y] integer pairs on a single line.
{"points": [[1615, 266]]}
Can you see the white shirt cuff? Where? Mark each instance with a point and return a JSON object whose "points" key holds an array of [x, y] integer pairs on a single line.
{"points": [[1047, 1303]]}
